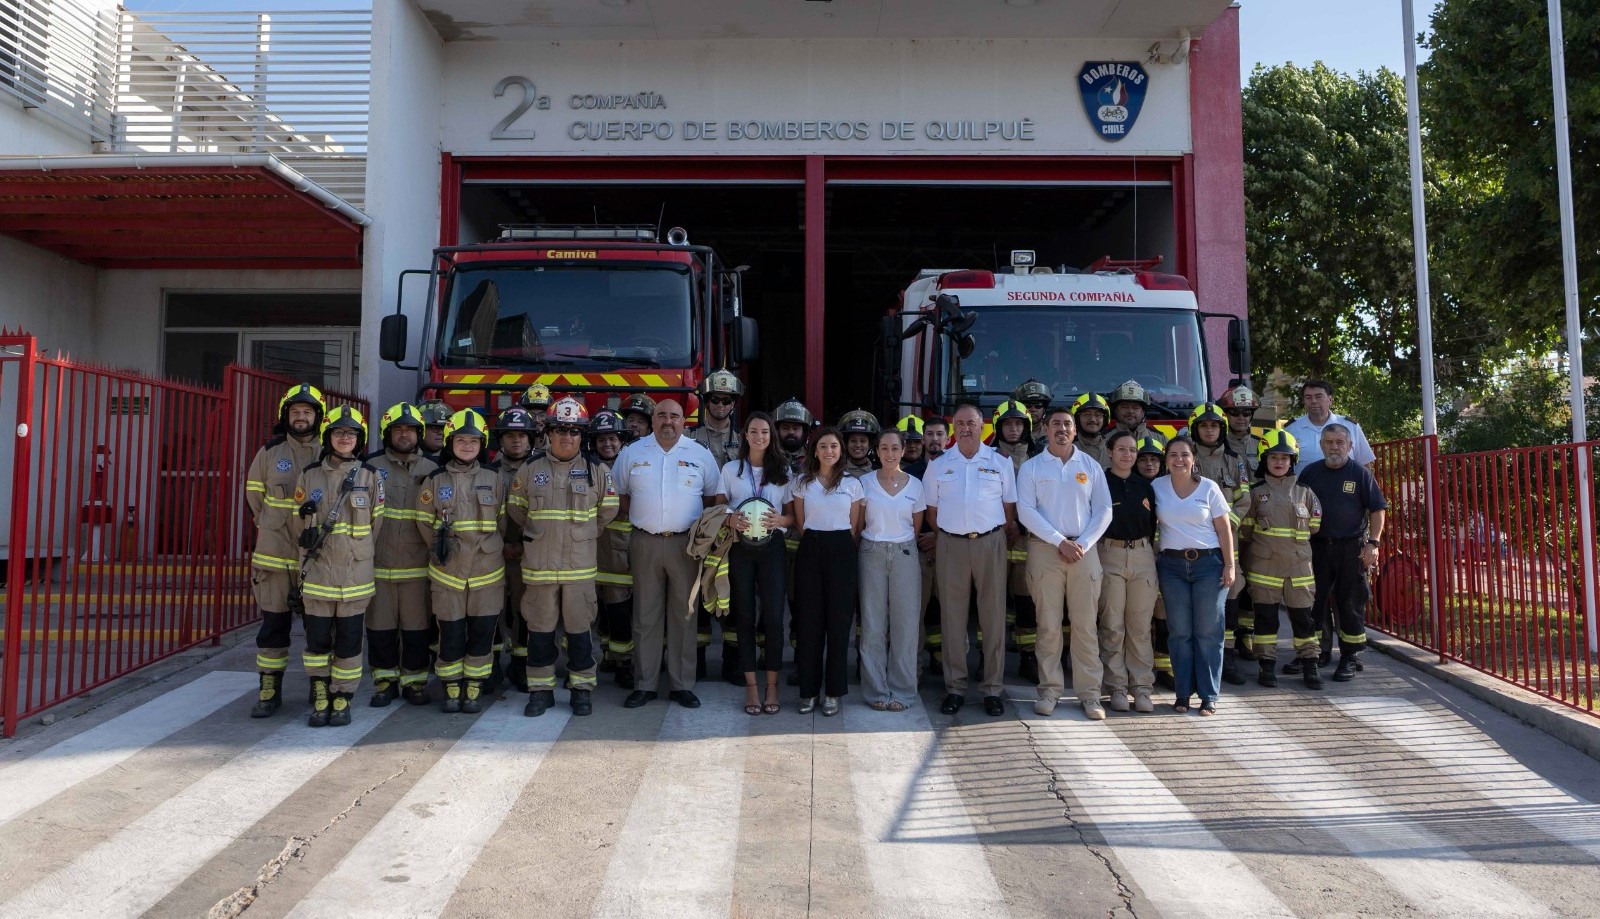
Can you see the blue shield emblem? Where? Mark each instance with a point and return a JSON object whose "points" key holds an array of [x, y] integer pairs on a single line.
{"points": [[283, 465], [446, 492], [1113, 93], [316, 496]]}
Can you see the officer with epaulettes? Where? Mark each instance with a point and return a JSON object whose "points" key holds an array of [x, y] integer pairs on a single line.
{"points": [[1128, 404], [1215, 460], [1013, 429], [1152, 465], [1277, 528], [340, 507], [561, 501], [638, 414], [719, 392], [1240, 404], [1092, 416], [860, 431], [1034, 397], [399, 625], [515, 432], [461, 507], [269, 493], [614, 581], [536, 400], [435, 415]]}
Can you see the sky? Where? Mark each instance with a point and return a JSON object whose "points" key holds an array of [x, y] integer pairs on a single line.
{"points": [[1347, 35]]}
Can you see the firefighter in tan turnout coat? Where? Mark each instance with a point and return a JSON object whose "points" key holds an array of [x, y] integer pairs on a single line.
{"points": [[399, 626]]}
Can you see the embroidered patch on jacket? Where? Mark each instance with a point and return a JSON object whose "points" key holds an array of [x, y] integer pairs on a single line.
{"points": [[283, 465], [541, 479], [446, 492]]}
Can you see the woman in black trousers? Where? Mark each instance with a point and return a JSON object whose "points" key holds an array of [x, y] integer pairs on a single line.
{"points": [[828, 509]]}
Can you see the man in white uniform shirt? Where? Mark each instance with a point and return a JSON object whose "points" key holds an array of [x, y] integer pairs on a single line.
{"points": [[664, 481], [1317, 395], [971, 493], [1063, 501]]}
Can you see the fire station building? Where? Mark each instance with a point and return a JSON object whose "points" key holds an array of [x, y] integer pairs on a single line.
{"points": [[182, 200]]}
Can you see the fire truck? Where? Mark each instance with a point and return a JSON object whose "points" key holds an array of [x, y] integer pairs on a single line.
{"points": [[597, 311], [974, 336]]}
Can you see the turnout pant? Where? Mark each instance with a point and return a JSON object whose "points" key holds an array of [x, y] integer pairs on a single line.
{"points": [[1342, 592], [891, 578], [758, 578], [513, 625], [1128, 595], [968, 565], [467, 622], [570, 607], [333, 642], [1078, 585], [271, 588], [1301, 620], [663, 574], [826, 582], [399, 628]]}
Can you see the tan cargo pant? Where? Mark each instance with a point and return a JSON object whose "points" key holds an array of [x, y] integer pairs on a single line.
{"points": [[1053, 583], [962, 565], [663, 574], [1128, 592]]}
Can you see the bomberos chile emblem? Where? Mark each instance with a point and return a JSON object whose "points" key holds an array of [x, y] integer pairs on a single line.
{"points": [[1113, 93]]}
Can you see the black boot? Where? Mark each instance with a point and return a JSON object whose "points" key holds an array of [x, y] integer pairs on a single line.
{"points": [[340, 715], [496, 675], [1267, 672], [625, 679], [1310, 672], [271, 696], [452, 697], [582, 704], [1346, 671], [517, 674], [1230, 668], [472, 698], [539, 702], [384, 692], [1295, 666], [417, 693], [1028, 667], [321, 702]]}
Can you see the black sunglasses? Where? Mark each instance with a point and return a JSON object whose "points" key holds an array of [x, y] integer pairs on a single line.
{"points": [[1241, 412], [564, 430], [719, 400]]}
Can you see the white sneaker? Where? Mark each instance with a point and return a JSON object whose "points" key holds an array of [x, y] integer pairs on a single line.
{"points": [[1093, 710], [1045, 706], [1119, 702]]}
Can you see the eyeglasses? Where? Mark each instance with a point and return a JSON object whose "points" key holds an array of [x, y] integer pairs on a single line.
{"points": [[719, 400], [570, 432]]}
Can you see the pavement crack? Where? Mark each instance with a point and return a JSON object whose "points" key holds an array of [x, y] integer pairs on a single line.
{"points": [[234, 904], [1057, 788]]}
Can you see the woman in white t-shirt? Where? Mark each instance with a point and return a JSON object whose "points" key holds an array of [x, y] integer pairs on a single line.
{"points": [[1196, 568], [758, 572], [827, 508], [891, 579]]}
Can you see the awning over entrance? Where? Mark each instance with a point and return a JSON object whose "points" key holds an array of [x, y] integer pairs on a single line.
{"points": [[177, 211]]}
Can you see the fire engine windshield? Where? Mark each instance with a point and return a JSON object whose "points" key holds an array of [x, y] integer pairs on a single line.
{"points": [[1076, 351], [582, 316]]}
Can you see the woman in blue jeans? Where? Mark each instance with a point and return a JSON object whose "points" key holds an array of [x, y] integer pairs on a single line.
{"points": [[1196, 568]]}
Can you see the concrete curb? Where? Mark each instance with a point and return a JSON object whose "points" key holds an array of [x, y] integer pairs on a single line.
{"points": [[1566, 724]]}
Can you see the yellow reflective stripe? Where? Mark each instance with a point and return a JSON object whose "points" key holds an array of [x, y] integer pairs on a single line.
{"points": [[1345, 638], [399, 513], [485, 580], [352, 530], [1233, 518], [576, 516], [412, 679], [542, 682], [273, 563], [1308, 581], [1302, 642], [315, 660], [620, 647], [382, 673], [1016, 555], [1264, 580], [518, 500], [400, 574], [478, 671], [557, 577], [347, 673], [621, 526], [448, 580], [332, 592], [282, 503], [610, 501], [621, 580], [447, 671], [271, 663], [476, 526], [1248, 522], [253, 485]]}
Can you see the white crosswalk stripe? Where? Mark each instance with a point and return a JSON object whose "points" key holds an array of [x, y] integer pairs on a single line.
{"points": [[1470, 760], [443, 822], [52, 771], [1436, 877], [133, 870], [922, 854]]}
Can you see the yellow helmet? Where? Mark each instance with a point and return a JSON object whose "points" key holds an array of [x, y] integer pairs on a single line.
{"points": [[1091, 401], [536, 396], [1207, 411], [400, 413], [1277, 440], [1153, 445], [303, 393], [722, 382], [468, 422], [910, 426], [344, 416]]}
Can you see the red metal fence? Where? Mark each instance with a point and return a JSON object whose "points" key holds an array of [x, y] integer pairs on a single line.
{"points": [[1501, 577], [125, 538]]}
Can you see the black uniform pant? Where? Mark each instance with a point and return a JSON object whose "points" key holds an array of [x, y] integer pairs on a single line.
{"points": [[757, 576], [1342, 592], [826, 575]]}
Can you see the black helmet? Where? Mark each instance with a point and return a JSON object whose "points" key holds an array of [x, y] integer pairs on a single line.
{"points": [[515, 418], [606, 421]]}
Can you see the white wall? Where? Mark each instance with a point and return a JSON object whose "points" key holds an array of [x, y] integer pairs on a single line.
{"points": [[128, 316], [403, 140], [48, 296]]}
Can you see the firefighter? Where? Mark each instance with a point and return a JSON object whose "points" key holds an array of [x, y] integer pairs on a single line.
{"points": [[435, 415], [614, 582], [716, 431], [340, 510], [515, 431], [1129, 402], [1215, 460], [399, 626], [1282, 517], [536, 400], [269, 493], [910, 428], [795, 422], [1035, 397], [1092, 415], [1240, 404], [561, 501], [460, 506], [860, 431], [638, 412], [1013, 440], [1152, 465]]}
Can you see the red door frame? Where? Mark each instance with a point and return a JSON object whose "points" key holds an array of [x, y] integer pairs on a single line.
{"points": [[815, 172]]}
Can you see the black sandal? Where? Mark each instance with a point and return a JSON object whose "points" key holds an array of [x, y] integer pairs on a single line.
{"points": [[1208, 708], [1181, 707]]}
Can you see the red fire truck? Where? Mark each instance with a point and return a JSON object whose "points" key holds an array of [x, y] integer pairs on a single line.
{"points": [[601, 311]]}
